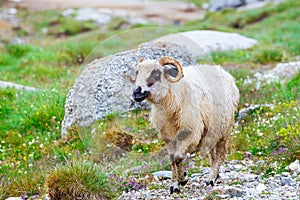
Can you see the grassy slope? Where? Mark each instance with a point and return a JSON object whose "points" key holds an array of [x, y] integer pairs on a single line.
{"points": [[30, 121]]}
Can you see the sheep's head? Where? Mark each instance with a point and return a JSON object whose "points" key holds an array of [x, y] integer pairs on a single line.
{"points": [[152, 78]]}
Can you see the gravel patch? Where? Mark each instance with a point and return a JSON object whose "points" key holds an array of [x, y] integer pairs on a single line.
{"points": [[237, 181]]}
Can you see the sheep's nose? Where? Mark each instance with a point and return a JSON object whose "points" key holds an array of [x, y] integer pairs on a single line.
{"points": [[137, 90], [138, 95]]}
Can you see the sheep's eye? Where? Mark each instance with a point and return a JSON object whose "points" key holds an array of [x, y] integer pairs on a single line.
{"points": [[150, 84], [156, 74]]}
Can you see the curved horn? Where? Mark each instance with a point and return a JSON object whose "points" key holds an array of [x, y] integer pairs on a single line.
{"points": [[132, 80], [167, 60]]}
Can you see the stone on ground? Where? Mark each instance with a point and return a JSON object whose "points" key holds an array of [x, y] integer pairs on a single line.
{"points": [[5, 84], [201, 43]]}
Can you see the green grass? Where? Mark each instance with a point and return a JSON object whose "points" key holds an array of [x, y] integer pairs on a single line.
{"points": [[33, 153], [275, 27]]}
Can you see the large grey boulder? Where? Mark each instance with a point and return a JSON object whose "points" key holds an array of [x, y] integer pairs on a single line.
{"points": [[283, 72], [203, 42], [104, 86], [217, 5]]}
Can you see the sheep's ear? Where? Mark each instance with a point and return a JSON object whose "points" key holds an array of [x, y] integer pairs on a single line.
{"points": [[171, 71]]}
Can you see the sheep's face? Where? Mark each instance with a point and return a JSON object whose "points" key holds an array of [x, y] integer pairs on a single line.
{"points": [[153, 79]]}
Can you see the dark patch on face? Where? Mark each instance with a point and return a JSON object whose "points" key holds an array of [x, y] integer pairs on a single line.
{"points": [[183, 135], [171, 71], [154, 76]]}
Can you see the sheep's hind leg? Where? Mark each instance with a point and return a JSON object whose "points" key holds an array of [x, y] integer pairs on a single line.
{"points": [[217, 156], [214, 168]]}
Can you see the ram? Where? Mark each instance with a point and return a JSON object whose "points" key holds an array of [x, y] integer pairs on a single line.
{"points": [[192, 109]]}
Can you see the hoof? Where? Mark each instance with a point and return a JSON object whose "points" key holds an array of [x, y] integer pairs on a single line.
{"points": [[183, 183], [211, 182], [174, 190]]}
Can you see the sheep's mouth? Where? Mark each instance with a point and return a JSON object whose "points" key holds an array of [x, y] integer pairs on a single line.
{"points": [[140, 96]]}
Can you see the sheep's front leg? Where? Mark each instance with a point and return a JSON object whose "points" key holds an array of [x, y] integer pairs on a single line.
{"points": [[178, 150], [174, 185], [179, 176], [182, 177], [214, 173], [217, 156]]}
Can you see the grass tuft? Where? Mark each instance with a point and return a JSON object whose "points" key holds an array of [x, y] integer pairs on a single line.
{"points": [[78, 180]]}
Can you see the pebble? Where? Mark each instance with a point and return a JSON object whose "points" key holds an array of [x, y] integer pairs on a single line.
{"points": [[286, 174], [248, 185], [294, 167], [251, 177], [224, 196], [251, 192], [277, 176], [287, 181], [238, 167], [260, 187], [163, 174]]}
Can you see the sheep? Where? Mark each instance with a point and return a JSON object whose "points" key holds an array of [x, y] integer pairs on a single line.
{"points": [[192, 110]]}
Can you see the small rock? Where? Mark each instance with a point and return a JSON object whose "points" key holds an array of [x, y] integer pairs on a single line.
{"points": [[223, 196], [283, 72], [294, 175], [196, 175], [234, 191], [234, 174], [229, 168], [224, 176], [260, 188], [196, 184], [273, 197], [287, 181], [262, 162], [234, 162], [277, 176], [294, 167], [12, 11], [286, 174], [5, 84], [247, 162], [206, 170], [17, 41], [251, 192], [163, 174], [238, 167], [137, 169], [250, 177]]}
